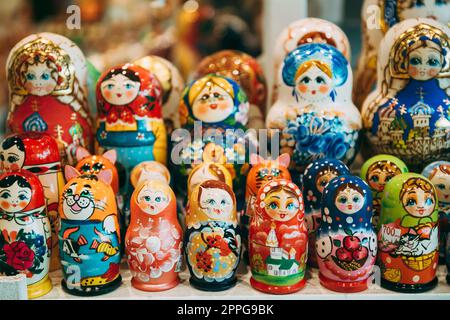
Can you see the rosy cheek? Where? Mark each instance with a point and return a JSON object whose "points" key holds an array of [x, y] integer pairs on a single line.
{"points": [[324, 89], [129, 94], [22, 204], [5, 204], [413, 71], [433, 72], [29, 86], [14, 167], [303, 88], [49, 87], [223, 105], [107, 94], [202, 108]]}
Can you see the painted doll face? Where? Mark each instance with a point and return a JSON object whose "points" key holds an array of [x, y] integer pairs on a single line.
{"points": [[78, 201], [216, 203], [314, 85], [152, 201], [323, 180], [378, 178], [424, 64], [120, 90], [441, 181], [418, 203], [349, 201], [213, 104], [14, 198], [39, 80], [281, 205], [12, 158], [432, 9]]}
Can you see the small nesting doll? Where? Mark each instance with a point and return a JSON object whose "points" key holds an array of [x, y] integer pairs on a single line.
{"points": [[89, 237], [153, 242], [346, 243], [210, 106], [377, 16], [304, 31], [246, 71], [408, 234], [407, 114], [439, 174], [38, 153], [262, 171], [25, 232], [278, 239], [47, 76], [172, 85], [129, 101], [212, 239], [318, 120], [377, 171], [316, 176]]}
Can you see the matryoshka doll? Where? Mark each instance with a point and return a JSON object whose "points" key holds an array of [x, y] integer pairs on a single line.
{"points": [[406, 115], [320, 120], [38, 153], [25, 232], [439, 174], [408, 234], [89, 237], [172, 85], [278, 239], [304, 31], [47, 77], [377, 16], [153, 241], [246, 71], [212, 241], [377, 171], [129, 101], [214, 104], [316, 176], [346, 243]]}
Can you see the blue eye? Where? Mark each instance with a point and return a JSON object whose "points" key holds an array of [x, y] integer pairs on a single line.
{"points": [[110, 86], [433, 62], [84, 193], [320, 80], [128, 86], [158, 199], [275, 172], [147, 198], [290, 206], [342, 200], [212, 201], [441, 186], [273, 206], [223, 202], [6, 195], [411, 202], [374, 179], [30, 76], [356, 199], [306, 80], [429, 202], [45, 76], [22, 197], [415, 61]]}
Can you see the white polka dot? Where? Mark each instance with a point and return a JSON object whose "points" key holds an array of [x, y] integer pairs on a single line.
{"points": [[263, 196], [349, 219], [326, 211], [329, 220], [416, 278], [266, 189], [340, 226]]}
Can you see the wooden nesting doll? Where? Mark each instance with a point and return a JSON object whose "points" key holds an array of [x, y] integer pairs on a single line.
{"points": [[214, 110], [408, 234], [38, 153], [377, 16], [304, 31], [262, 171], [346, 243], [377, 171], [278, 239], [316, 116], [246, 71], [47, 77], [153, 241], [212, 241], [25, 232], [129, 101], [407, 114], [89, 237], [439, 174], [172, 85], [316, 176]]}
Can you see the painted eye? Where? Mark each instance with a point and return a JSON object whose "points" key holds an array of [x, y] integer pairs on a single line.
{"points": [[273, 205], [211, 201], [415, 61], [129, 86], [2, 157], [417, 3], [45, 76], [306, 80], [84, 193], [320, 80], [275, 172], [323, 183], [109, 86], [429, 202], [205, 97], [85, 167], [6, 195], [356, 199], [223, 202], [342, 200], [22, 197], [30, 76], [388, 178], [374, 179], [217, 95], [97, 166], [432, 62], [411, 202], [441, 2], [158, 199], [263, 172], [441, 186], [147, 198], [69, 192], [290, 206], [12, 159]]}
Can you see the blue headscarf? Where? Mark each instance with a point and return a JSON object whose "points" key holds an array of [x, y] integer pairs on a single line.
{"points": [[311, 195], [316, 51], [333, 217]]}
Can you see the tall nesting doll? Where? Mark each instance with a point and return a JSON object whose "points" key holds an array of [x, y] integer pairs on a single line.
{"points": [[212, 241], [314, 180], [25, 232], [407, 114], [278, 240], [346, 243], [153, 241], [47, 78], [89, 237], [38, 153], [408, 234]]}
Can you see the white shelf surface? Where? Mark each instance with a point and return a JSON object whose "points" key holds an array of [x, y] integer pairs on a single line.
{"points": [[243, 291]]}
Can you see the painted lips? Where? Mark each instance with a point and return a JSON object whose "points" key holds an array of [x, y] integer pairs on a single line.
{"points": [[213, 106]]}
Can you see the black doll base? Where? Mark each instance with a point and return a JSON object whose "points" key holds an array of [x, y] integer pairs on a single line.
{"points": [[409, 288], [92, 290], [212, 286]]}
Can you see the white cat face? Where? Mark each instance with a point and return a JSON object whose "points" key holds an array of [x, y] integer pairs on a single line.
{"points": [[216, 203], [349, 201], [152, 201], [78, 204], [14, 198]]}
